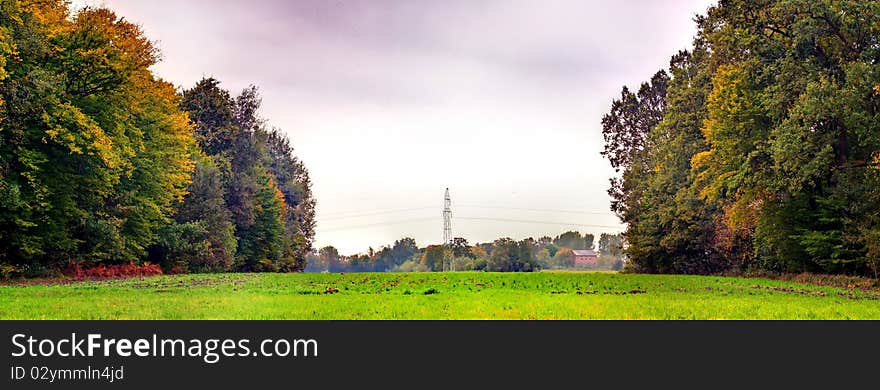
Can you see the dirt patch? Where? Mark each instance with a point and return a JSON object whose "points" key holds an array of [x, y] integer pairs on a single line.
{"points": [[801, 291], [65, 280], [839, 281], [872, 297], [580, 292], [152, 283], [790, 290]]}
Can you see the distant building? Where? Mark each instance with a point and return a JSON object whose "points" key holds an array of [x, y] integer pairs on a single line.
{"points": [[585, 258]]}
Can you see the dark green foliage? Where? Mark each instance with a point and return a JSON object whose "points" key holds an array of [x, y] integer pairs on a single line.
{"points": [[507, 255], [292, 178], [388, 258], [183, 247], [261, 244], [205, 206], [626, 129], [266, 190], [574, 240], [211, 111], [511, 256], [461, 248]]}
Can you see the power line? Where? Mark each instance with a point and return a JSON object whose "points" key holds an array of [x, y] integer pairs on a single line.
{"points": [[541, 210], [373, 213], [538, 222], [353, 227], [359, 213]]}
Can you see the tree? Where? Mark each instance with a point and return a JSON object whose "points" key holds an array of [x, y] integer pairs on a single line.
{"points": [[94, 153], [293, 180], [765, 153], [543, 258], [478, 252], [436, 257], [611, 245], [563, 259], [574, 240], [261, 245], [204, 216], [328, 257], [182, 247], [255, 162], [401, 251], [461, 248], [211, 109], [512, 256], [626, 129], [101, 162]]}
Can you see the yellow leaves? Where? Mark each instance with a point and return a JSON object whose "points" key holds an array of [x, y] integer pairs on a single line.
{"points": [[163, 133], [699, 162], [709, 125], [125, 43], [711, 189], [727, 82], [51, 15], [50, 11], [80, 134], [733, 117], [743, 213], [700, 159], [7, 49], [728, 102], [877, 90], [67, 140]]}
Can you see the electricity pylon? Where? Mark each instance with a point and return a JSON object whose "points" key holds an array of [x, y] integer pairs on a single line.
{"points": [[447, 219]]}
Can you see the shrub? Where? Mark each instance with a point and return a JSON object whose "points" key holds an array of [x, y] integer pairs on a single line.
{"points": [[102, 271], [9, 271]]}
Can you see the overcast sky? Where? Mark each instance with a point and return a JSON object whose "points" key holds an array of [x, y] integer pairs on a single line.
{"points": [[390, 102]]}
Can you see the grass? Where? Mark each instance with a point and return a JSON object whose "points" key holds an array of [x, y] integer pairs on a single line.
{"points": [[460, 295]]}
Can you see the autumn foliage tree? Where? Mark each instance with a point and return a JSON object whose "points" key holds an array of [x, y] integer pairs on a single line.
{"points": [[101, 162], [94, 152], [766, 157]]}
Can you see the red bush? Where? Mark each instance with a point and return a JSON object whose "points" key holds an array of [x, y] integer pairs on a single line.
{"points": [[102, 271]]}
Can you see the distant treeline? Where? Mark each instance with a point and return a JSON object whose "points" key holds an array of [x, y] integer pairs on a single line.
{"points": [[102, 163], [758, 150], [501, 255]]}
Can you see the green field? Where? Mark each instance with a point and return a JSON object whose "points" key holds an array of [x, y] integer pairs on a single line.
{"points": [[460, 295]]}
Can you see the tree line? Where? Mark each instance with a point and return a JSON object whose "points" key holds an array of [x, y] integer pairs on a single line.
{"points": [[101, 162], [501, 255], [759, 149]]}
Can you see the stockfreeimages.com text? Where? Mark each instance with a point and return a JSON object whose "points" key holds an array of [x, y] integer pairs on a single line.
{"points": [[209, 350]]}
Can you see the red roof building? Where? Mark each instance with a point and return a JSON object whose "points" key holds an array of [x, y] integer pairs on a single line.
{"points": [[585, 258]]}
